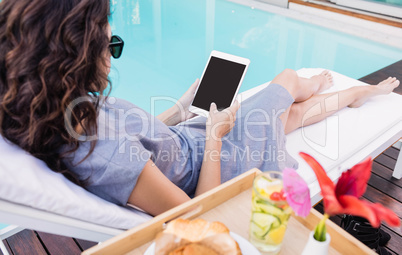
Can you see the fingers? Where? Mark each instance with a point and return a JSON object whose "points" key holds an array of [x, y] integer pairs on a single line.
{"points": [[232, 110], [212, 108], [234, 107], [194, 86]]}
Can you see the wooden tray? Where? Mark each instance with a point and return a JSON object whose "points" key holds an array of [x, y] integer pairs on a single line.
{"points": [[230, 203]]}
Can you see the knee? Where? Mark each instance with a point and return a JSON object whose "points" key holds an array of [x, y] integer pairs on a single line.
{"points": [[289, 73], [288, 78]]}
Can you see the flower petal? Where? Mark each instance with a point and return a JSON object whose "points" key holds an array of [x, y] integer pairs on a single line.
{"points": [[354, 181], [297, 192], [331, 204], [384, 214], [354, 206]]}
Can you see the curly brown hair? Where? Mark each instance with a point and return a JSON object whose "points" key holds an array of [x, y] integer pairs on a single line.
{"points": [[51, 52]]}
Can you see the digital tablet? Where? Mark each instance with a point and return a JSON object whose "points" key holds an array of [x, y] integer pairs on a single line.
{"points": [[219, 83]]}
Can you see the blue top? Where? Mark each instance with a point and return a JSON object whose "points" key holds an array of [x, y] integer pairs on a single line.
{"points": [[128, 137]]}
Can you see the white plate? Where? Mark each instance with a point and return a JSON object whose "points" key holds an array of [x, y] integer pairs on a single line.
{"points": [[245, 246]]}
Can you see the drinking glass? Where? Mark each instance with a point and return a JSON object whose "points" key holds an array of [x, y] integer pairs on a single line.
{"points": [[269, 212]]}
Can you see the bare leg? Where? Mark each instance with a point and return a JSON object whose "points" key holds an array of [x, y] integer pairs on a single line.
{"points": [[300, 88], [318, 107]]}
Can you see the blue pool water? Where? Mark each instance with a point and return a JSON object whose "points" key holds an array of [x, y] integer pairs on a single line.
{"points": [[390, 2], [167, 44]]}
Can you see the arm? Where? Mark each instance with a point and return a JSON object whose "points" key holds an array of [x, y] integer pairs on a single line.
{"points": [[179, 112], [218, 125], [155, 193]]}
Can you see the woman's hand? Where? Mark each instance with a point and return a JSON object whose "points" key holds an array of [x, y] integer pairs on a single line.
{"points": [[220, 123], [184, 102], [180, 111]]}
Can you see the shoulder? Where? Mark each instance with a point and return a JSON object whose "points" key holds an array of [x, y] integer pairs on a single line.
{"points": [[117, 103], [120, 110]]}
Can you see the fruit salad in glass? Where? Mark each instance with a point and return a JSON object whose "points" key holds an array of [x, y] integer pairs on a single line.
{"points": [[269, 212]]}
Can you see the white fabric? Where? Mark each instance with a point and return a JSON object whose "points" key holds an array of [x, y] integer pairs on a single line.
{"points": [[334, 141], [340, 136], [28, 181]]}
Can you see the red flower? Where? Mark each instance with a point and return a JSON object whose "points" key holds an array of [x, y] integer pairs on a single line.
{"points": [[344, 196]]}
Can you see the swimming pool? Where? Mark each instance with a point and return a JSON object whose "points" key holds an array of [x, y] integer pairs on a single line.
{"points": [[391, 8], [390, 2], [167, 44]]}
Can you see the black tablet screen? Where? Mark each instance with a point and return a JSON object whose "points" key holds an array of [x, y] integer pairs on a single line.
{"points": [[219, 83]]}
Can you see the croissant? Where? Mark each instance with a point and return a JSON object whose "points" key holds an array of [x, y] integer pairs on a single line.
{"points": [[195, 237]]}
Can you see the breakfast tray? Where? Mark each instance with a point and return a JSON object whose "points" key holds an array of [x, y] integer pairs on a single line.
{"points": [[230, 203]]}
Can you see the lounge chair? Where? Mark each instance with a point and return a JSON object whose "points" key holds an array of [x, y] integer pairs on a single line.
{"points": [[347, 137], [32, 196]]}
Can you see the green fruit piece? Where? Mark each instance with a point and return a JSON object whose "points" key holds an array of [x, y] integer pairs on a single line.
{"points": [[264, 220], [257, 231], [270, 209]]}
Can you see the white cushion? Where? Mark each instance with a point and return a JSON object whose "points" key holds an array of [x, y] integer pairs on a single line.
{"points": [[342, 135], [345, 138], [27, 180]]}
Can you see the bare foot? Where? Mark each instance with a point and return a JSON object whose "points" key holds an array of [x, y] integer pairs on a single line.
{"points": [[324, 80], [383, 88], [387, 86]]}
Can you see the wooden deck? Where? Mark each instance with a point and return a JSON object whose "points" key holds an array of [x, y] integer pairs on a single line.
{"points": [[329, 6], [382, 188]]}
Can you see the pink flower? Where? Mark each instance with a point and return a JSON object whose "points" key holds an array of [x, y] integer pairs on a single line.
{"points": [[297, 192]]}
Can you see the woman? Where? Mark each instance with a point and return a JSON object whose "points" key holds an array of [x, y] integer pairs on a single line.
{"points": [[54, 64]]}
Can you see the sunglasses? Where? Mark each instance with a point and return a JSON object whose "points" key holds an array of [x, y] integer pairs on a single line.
{"points": [[116, 46]]}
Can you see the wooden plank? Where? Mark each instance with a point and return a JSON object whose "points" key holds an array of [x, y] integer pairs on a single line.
{"points": [[60, 245], [375, 195], [386, 187], [26, 243], [344, 242], [386, 161], [147, 231], [7, 247], [233, 210], [349, 13], [391, 251], [294, 240], [385, 173], [395, 244], [84, 244], [397, 230], [393, 70], [392, 152]]}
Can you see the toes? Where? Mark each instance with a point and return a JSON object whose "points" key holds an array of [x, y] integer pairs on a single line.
{"points": [[387, 81], [325, 72], [392, 80]]}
